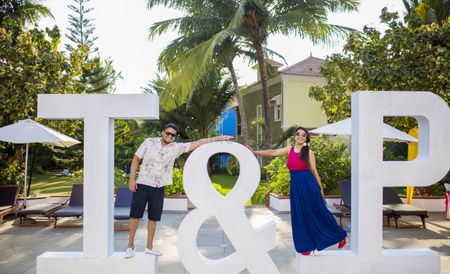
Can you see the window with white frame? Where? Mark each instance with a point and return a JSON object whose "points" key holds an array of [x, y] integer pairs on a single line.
{"points": [[258, 127]]}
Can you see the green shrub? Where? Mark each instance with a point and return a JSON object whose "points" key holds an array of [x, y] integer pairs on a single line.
{"points": [[176, 188], [220, 189], [120, 178], [232, 166], [332, 160], [78, 176], [259, 196], [278, 176], [11, 173]]}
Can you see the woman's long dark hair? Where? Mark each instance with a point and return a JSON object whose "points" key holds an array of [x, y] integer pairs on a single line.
{"points": [[304, 152]]}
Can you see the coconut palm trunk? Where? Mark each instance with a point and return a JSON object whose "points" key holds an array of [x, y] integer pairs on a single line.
{"points": [[257, 43], [244, 124]]}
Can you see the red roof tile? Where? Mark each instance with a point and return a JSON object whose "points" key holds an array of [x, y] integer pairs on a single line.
{"points": [[308, 66]]}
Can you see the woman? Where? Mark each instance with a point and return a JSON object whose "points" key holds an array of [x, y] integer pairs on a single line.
{"points": [[313, 226]]}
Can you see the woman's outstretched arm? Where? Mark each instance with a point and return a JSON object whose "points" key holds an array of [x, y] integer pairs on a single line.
{"points": [[271, 152]]}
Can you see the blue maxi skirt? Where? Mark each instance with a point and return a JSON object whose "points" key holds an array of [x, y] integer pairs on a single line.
{"points": [[313, 225]]}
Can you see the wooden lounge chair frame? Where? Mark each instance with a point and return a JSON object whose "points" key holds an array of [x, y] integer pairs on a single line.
{"points": [[393, 206], [44, 209], [9, 204]]}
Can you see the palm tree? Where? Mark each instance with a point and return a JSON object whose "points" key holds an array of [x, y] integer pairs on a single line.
{"points": [[24, 11], [254, 21], [198, 26], [209, 100], [426, 12]]}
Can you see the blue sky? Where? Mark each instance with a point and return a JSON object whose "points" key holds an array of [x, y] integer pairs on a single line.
{"points": [[122, 28]]}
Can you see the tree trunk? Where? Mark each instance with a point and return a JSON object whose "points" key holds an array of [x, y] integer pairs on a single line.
{"points": [[244, 124], [265, 92]]}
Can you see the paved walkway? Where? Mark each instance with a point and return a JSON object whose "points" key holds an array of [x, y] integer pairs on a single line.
{"points": [[21, 245]]}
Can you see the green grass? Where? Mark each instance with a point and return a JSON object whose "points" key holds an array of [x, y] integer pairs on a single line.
{"points": [[62, 185], [227, 182], [42, 185]]}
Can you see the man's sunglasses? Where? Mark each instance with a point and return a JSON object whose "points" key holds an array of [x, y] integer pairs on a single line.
{"points": [[170, 134]]}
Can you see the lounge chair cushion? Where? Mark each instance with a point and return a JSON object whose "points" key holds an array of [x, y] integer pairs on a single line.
{"points": [[76, 197], [121, 213], [405, 209], [8, 195], [69, 211], [45, 207], [3, 208]]}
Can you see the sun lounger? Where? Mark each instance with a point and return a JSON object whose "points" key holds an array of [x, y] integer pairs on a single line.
{"points": [[122, 203], [75, 207], [346, 192], [393, 202], [8, 201], [43, 209]]}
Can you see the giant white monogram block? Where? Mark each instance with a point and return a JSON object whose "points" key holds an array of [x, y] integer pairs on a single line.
{"points": [[98, 112], [251, 245], [370, 174]]}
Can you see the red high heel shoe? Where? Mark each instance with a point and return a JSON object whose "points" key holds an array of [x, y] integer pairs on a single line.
{"points": [[342, 243], [306, 253]]}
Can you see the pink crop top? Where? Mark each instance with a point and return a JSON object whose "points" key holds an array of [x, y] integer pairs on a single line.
{"points": [[294, 162]]}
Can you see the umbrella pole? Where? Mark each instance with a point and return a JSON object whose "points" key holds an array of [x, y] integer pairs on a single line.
{"points": [[25, 182]]}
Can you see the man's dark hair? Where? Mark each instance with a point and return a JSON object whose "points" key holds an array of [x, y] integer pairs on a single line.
{"points": [[171, 125]]}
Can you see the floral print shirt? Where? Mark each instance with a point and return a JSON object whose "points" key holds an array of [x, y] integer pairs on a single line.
{"points": [[157, 161]]}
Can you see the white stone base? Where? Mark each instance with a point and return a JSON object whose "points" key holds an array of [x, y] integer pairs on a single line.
{"points": [[75, 263], [175, 205], [392, 261], [279, 205]]}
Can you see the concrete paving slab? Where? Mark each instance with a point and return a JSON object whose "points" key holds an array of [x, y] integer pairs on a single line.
{"points": [[23, 244]]}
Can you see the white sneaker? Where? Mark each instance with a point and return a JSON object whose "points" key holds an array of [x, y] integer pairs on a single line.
{"points": [[129, 252], [152, 252]]}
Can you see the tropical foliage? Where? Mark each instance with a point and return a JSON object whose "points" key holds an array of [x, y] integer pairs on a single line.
{"points": [[253, 21], [31, 64], [101, 76], [426, 12], [401, 59], [176, 188], [22, 12], [209, 100]]}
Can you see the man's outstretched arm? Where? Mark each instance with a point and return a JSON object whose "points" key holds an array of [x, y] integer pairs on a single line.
{"points": [[200, 142]]}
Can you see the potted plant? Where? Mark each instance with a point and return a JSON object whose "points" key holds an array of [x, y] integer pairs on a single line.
{"points": [[278, 183]]}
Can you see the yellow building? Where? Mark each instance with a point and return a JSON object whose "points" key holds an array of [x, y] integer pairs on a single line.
{"points": [[289, 101]]}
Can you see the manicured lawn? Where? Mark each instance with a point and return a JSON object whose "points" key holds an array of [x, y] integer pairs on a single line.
{"points": [[227, 182], [62, 185], [51, 185]]}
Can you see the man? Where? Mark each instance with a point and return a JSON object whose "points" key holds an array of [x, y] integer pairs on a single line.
{"points": [[158, 156]]}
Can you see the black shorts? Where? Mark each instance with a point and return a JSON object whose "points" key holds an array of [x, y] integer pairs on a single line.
{"points": [[154, 196]]}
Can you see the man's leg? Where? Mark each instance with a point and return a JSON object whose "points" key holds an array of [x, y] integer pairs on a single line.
{"points": [[138, 203], [134, 223], [154, 215], [151, 228]]}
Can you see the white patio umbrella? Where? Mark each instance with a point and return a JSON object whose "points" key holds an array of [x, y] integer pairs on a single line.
{"points": [[344, 127], [28, 131]]}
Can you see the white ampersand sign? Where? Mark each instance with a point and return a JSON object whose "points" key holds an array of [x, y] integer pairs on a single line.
{"points": [[251, 245]]}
